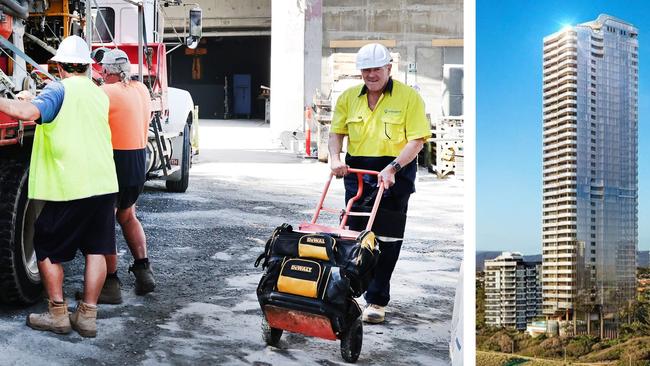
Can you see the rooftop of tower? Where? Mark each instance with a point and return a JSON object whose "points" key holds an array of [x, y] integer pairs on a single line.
{"points": [[597, 24]]}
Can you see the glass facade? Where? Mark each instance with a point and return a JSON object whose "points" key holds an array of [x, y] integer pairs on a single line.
{"points": [[590, 195]]}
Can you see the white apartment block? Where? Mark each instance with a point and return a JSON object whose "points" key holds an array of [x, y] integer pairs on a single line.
{"points": [[512, 291], [590, 190]]}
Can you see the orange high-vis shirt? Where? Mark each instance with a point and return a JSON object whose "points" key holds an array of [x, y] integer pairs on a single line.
{"points": [[128, 114]]}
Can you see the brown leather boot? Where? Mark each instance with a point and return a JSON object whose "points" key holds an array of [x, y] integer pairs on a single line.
{"points": [[84, 320], [111, 292], [54, 320], [144, 281]]}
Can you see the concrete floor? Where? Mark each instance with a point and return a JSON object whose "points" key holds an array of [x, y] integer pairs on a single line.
{"points": [[203, 244]]}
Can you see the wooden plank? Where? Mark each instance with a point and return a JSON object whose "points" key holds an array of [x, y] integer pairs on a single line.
{"points": [[196, 52], [358, 43], [448, 42]]}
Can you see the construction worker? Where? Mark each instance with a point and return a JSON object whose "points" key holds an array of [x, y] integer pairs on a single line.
{"points": [[129, 115], [386, 127], [73, 174]]}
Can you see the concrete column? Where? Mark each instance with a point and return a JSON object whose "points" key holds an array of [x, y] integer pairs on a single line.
{"points": [[296, 42], [588, 322], [287, 65], [313, 48]]}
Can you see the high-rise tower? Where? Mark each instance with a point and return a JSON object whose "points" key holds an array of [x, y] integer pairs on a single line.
{"points": [[589, 227]]}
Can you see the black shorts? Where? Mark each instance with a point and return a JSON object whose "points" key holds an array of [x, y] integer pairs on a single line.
{"points": [[87, 224], [128, 196]]}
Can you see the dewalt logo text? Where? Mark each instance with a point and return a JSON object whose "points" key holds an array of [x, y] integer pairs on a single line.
{"points": [[295, 267], [315, 240]]}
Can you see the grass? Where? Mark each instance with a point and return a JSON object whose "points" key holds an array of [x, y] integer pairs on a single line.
{"points": [[484, 358], [496, 347], [635, 351]]}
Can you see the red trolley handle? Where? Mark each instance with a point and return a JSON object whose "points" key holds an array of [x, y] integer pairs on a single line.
{"points": [[347, 212]]}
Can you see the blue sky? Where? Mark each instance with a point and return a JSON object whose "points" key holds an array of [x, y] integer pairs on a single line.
{"points": [[509, 111]]}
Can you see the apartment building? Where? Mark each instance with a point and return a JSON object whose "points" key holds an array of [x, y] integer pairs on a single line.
{"points": [[590, 148], [513, 295]]}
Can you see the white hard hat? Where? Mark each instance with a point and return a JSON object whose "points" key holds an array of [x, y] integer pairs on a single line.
{"points": [[373, 55], [115, 56], [73, 50]]}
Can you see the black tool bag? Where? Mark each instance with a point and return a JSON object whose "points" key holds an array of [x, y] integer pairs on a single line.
{"points": [[317, 266]]}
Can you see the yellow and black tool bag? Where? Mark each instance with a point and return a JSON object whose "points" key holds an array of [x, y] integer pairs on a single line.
{"points": [[284, 242], [319, 266], [302, 277], [357, 260], [318, 274]]}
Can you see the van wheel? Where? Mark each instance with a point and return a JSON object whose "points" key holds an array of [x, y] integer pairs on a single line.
{"points": [[181, 185]]}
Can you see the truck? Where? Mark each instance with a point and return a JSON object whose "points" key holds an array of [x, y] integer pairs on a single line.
{"points": [[30, 32]]}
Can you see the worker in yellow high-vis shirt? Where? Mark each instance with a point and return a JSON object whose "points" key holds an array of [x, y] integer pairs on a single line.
{"points": [[386, 127], [73, 172]]}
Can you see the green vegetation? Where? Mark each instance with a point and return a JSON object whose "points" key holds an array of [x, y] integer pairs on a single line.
{"points": [[480, 301], [643, 272], [632, 347], [500, 359]]}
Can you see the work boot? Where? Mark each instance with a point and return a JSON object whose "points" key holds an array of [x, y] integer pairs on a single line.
{"points": [[54, 320], [111, 291], [144, 281], [84, 320], [374, 314]]}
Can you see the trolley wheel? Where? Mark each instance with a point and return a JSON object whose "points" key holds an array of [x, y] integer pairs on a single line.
{"points": [[351, 341], [271, 336]]}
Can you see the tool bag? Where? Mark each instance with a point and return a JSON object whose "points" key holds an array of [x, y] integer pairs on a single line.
{"points": [[317, 266]]}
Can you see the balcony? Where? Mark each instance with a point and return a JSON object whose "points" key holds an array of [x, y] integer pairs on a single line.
{"points": [[564, 121], [564, 175], [564, 288], [553, 192], [551, 127], [558, 38], [560, 93], [566, 65], [559, 106], [566, 135], [565, 82], [552, 57]]}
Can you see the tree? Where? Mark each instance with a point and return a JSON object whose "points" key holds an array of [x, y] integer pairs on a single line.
{"points": [[480, 301]]}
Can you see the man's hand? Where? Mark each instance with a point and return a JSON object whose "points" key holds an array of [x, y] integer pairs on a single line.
{"points": [[387, 175], [335, 142], [25, 95], [339, 168]]}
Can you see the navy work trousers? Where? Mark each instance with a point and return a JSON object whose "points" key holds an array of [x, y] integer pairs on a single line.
{"points": [[378, 292]]}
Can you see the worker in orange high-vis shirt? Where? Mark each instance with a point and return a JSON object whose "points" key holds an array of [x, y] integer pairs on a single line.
{"points": [[129, 115]]}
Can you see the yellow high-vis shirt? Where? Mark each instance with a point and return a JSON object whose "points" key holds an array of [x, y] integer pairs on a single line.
{"points": [[398, 117]]}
